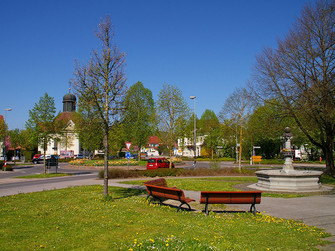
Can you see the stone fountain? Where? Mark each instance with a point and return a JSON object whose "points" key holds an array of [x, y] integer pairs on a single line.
{"points": [[287, 179]]}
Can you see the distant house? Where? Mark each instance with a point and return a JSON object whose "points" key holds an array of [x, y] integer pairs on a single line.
{"points": [[186, 147], [152, 149]]}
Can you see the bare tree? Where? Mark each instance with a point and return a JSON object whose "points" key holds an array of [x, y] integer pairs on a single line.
{"points": [[238, 105], [301, 75], [102, 84]]}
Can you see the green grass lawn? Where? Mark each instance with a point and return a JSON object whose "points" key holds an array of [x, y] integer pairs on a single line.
{"points": [[203, 184], [216, 184], [79, 218]]}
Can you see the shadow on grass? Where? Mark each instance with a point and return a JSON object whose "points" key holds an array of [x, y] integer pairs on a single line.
{"points": [[228, 211], [128, 192]]}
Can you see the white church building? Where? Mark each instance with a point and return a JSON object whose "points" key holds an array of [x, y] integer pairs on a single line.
{"points": [[66, 145]]}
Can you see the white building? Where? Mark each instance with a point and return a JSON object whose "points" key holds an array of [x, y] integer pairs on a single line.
{"points": [[186, 147], [65, 145]]}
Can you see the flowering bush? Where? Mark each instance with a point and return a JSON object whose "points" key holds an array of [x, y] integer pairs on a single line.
{"points": [[120, 162]]}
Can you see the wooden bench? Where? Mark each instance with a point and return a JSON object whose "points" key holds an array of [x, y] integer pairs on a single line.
{"points": [[163, 192], [232, 197], [157, 182]]}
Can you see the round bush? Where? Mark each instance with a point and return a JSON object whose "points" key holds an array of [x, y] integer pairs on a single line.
{"points": [[8, 168]]}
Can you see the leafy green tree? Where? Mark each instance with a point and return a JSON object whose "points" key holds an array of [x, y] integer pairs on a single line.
{"points": [[300, 73], [42, 124], [3, 130], [138, 117], [88, 126], [189, 130], [117, 138], [15, 139], [28, 141], [210, 127], [173, 113], [102, 84], [229, 135]]}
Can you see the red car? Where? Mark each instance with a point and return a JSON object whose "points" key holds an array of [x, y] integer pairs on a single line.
{"points": [[36, 157], [155, 163]]}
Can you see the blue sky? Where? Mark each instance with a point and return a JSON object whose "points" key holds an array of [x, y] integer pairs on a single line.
{"points": [[205, 48]]}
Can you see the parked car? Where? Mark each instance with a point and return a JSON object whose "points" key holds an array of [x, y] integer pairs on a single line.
{"points": [[40, 159], [79, 156], [154, 163], [36, 156]]}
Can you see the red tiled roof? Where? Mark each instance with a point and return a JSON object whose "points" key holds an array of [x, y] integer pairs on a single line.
{"points": [[65, 116], [154, 140]]}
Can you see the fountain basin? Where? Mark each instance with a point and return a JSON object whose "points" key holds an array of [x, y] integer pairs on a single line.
{"points": [[289, 181]]}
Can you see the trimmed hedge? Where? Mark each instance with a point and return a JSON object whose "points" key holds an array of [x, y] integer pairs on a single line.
{"points": [[8, 167], [115, 173]]}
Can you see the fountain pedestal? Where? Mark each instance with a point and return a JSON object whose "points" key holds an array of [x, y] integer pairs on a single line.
{"points": [[288, 179], [292, 181]]}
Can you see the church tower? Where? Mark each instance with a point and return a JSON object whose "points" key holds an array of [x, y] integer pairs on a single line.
{"points": [[69, 103]]}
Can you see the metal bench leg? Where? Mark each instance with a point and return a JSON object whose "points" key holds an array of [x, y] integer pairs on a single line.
{"points": [[154, 198], [184, 203], [206, 209], [253, 209]]}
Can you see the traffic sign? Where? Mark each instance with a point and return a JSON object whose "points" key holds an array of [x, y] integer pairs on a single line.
{"points": [[128, 155], [257, 158], [128, 145]]}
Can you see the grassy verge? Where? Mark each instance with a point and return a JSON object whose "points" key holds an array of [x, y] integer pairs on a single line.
{"points": [[78, 218], [218, 184], [41, 176], [115, 173]]}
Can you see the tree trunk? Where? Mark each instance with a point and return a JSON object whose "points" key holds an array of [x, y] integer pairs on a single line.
{"points": [[240, 152], [328, 151], [106, 164], [44, 164], [170, 164]]}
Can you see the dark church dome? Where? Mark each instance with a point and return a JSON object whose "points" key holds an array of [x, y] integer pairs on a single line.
{"points": [[69, 97], [69, 102]]}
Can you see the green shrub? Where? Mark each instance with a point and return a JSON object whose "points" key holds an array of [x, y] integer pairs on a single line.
{"points": [[8, 168], [28, 155], [64, 160], [214, 163], [115, 173], [161, 172]]}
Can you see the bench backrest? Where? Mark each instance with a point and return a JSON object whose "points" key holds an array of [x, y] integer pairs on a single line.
{"points": [[165, 192], [232, 197], [157, 182]]}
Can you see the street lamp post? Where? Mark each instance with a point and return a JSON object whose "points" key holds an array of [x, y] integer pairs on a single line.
{"points": [[195, 135], [4, 142]]}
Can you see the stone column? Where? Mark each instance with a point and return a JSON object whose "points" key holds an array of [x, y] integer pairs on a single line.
{"points": [[288, 164]]}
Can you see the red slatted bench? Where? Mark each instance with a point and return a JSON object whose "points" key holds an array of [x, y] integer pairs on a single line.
{"points": [[157, 182], [162, 192], [231, 197]]}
